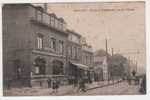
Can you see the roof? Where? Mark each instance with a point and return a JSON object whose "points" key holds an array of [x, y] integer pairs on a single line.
{"points": [[73, 32]]}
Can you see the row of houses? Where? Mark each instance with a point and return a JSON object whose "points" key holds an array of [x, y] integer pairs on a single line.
{"points": [[37, 45]]}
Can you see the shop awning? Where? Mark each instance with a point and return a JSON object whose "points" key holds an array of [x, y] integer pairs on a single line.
{"points": [[81, 66]]}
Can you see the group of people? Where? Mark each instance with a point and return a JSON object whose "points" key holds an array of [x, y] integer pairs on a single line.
{"points": [[54, 84], [139, 81]]}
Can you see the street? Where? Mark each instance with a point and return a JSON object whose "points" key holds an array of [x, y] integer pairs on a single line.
{"points": [[121, 88], [117, 89]]}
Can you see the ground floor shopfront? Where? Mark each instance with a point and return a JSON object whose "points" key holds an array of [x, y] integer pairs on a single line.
{"points": [[79, 71], [47, 67], [41, 68]]}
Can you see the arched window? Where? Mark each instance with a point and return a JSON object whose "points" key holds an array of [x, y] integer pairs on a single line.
{"points": [[57, 67], [40, 65]]}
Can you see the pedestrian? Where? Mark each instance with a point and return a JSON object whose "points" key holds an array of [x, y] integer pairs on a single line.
{"points": [[75, 82], [57, 85], [129, 80], [49, 82], [54, 86], [143, 85], [81, 85]]}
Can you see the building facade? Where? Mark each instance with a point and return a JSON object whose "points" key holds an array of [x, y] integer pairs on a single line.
{"points": [[34, 42], [87, 59], [101, 67], [73, 55], [37, 46]]}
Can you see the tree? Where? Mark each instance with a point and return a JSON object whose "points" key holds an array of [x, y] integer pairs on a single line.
{"points": [[101, 53], [117, 65]]}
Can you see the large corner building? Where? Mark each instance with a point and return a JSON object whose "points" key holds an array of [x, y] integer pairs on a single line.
{"points": [[37, 46]]}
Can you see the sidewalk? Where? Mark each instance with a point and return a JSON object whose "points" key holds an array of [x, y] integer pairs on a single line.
{"points": [[37, 91], [101, 84], [41, 91]]}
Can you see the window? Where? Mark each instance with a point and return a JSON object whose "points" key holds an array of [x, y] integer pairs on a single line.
{"points": [[53, 44], [73, 52], [52, 21], [61, 25], [61, 47], [40, 66], [69, 51], [56, 23], [75, 48], [78, 53], [40, 42], [37, 71], [86, 61], [90, 59], [46, 18], [39, 16]]}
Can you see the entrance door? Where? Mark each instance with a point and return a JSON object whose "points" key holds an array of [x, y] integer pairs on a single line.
{"points": [[57, 67]]}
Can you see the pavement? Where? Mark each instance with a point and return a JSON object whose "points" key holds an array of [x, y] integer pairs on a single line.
{"points": [[96, 88]]}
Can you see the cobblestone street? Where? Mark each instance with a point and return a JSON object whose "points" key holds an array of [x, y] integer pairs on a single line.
{"points": [[121, 88]]}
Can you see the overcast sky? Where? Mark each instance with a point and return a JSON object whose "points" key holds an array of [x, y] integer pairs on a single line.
{"points": [[123, 24]]}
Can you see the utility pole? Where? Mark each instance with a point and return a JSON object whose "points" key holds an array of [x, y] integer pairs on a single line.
{"points": [[129, 69], [136, 67], [112, 54], [107, 58]]}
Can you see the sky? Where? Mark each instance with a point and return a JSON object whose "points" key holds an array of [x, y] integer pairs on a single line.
{"points": [[121, 23]]}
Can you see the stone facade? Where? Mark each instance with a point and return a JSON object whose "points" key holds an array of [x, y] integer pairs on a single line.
{"points": [[35, 44]]}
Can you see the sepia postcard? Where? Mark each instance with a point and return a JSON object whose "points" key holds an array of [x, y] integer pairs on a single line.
{"points": [[74, 48]]}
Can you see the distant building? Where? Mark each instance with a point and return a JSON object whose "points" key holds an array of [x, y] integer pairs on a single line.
{"points": [[101, 67]]}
